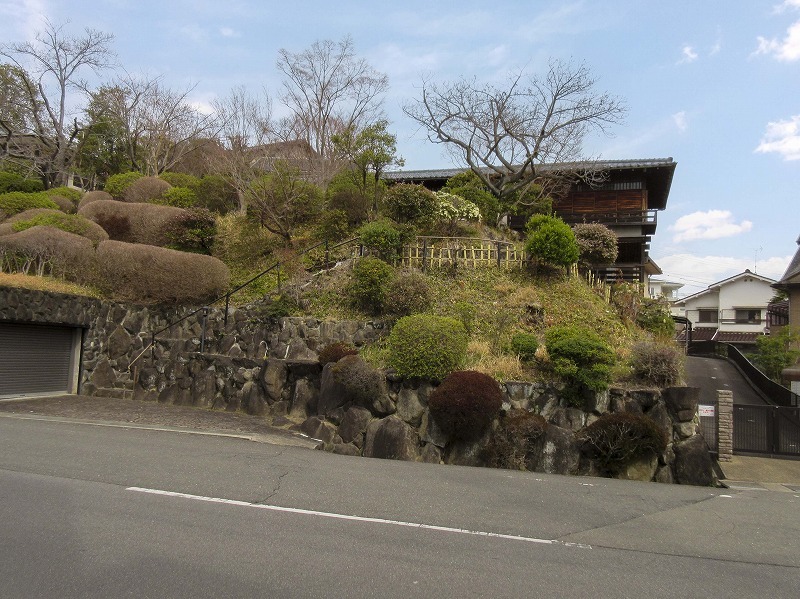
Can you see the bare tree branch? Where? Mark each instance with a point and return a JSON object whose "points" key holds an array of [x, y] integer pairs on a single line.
{"points": [[507, 134]]}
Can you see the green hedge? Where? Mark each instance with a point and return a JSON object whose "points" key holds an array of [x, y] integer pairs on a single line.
{"points": [[427, 346]]}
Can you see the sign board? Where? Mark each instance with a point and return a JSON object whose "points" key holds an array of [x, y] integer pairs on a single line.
{"points": [[705, 410]]}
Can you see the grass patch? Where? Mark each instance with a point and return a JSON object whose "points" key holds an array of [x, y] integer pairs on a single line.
{"points": [[21, 281]]}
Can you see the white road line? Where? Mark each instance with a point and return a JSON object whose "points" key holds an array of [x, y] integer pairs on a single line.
{"points": [[291, 510]]}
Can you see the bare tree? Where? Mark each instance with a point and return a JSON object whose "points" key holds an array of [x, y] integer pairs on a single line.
{"points": [[510, 135], [245, 123], [53, 61], [160, 125], [328, 90]]}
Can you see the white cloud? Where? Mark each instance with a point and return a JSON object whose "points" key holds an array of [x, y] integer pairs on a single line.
{"points": [[688, 54], [783, 138], [787, 49], [28, 14], [698, 272], [713, 224], [228, 32], [680, 120], [194, 32]]}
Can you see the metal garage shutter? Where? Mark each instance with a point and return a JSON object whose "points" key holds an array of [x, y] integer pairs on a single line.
{"points": [[35, 359]]}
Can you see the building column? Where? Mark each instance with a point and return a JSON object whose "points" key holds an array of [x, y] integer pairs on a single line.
{"points": [[725, 425]]}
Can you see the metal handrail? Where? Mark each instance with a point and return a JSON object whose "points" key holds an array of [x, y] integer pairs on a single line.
{"points": [[228, 295]]}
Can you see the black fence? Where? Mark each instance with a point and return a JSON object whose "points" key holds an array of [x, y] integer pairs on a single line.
{"points": [[775, 393], [771, 430]]}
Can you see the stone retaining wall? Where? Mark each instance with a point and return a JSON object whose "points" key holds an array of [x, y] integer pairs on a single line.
{"points": [[269, 367]]}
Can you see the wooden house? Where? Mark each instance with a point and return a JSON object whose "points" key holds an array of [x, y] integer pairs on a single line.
{"points": [[628, 200]]}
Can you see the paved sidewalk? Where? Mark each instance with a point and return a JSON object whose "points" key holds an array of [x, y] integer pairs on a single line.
{"points": [[144, 414], [773, 474]]}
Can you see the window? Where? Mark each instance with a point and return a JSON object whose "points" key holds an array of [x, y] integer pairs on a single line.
{"points": [[707, 316], [748, 316]]}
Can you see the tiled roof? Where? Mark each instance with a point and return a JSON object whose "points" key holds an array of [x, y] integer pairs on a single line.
{"points": [[793, 269], [732, 337], [446, 173], [703, 334]]}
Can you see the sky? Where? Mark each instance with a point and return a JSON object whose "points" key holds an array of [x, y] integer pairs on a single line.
{"points": [[712, 84]]}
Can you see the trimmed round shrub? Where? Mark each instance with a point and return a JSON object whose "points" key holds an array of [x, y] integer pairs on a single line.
{"points": [[181, 180], [49, 251], [145, 189], [551, 241], [427, 346], [93, 196], [408, 203], [117, 184], [14, 202], [154, 275], [333, 352], [382, 238], [465, 404], [66, 205], [516, 444], [369, 283], [486, 202], [615, 440], [16, 182], [362, 382], [133, 223], [71, 223], [525, 345], [216, 194], [659, 364], [353, 203], [407, 293], [70, 193], [597, 243], [182, 197], [192, 231], [581, 357]]}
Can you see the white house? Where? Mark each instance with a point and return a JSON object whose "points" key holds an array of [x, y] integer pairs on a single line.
{"points": [[733, 310]]}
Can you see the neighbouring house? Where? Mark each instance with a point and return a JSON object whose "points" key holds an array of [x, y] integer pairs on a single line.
{"points": [[787, 312], [668, 290], [733, 310], [627, 201]]}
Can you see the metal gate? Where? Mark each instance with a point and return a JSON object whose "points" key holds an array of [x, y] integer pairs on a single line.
{"points": [[766, 429]]}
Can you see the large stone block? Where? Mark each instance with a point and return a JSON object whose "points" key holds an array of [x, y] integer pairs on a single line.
{"points": [[392, 439], [682, 402], [273, 377], [560, 453], [693, 465], [354, 425]]}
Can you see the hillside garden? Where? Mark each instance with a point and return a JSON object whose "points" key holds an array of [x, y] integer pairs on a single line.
{"points": [[180, 239]]}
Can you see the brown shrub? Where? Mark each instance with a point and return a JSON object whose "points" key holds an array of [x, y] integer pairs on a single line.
{"points": [[64, 204], [154, 275], [333, 352], [72, 223], [93, 196], [133, 223], [465, 404], [48, 251], [614, 440], [515, 445], [145, 189]]}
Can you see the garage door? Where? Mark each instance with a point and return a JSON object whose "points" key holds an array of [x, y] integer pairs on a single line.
{"points": [[37, 359]]}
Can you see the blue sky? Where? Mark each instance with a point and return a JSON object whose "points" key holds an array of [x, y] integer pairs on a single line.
{"points": [[713, 84]]}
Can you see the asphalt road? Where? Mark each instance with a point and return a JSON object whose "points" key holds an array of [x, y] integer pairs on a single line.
{"points": [[88, 510], [712, 374]]}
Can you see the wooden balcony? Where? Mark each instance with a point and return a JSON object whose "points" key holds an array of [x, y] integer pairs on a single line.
{"points": [[646, 218]]}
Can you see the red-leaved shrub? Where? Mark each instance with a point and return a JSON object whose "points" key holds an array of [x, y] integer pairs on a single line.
{"points": [[465, 404]]}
